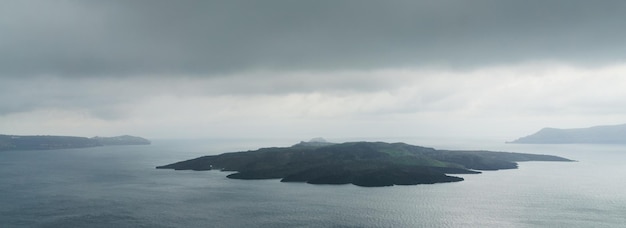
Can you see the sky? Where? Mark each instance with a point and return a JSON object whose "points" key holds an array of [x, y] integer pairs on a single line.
{"points": [[302, 69]]}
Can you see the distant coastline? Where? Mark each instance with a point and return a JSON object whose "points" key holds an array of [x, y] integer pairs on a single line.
{"points": [[607, 134], [50, 142]]}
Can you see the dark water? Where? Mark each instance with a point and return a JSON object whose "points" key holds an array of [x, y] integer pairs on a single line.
{"points": [[119, 187]]}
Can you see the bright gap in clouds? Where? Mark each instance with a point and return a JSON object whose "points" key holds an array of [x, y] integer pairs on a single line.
{"points": [[502, 102]]}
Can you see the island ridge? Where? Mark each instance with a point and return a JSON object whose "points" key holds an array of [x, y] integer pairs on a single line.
{"points": [[367, 164]]}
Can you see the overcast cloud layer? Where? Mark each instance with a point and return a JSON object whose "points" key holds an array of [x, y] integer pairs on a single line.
{"points": [[84, 38], [315, 68]]}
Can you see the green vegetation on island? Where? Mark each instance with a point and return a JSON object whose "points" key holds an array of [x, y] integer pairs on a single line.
{"points": [[48, 142], [360, 163]]}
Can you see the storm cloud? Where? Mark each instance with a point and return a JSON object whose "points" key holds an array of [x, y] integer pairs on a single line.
{"points": [[310, 68], [208, 38]]}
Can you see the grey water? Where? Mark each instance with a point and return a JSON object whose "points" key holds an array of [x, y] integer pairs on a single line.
{"points": [[119, 186]]}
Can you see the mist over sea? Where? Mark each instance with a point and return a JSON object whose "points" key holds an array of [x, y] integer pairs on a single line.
{"points": [[118, 186]]}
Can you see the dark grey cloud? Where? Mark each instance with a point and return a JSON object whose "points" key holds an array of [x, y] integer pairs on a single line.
{"points": [[104, 99], [110, 98], [210, 37]]}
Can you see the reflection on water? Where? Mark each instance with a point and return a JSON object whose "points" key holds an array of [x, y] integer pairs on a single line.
{"points": [[119, 187]]}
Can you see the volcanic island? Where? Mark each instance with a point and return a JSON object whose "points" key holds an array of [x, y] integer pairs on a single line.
{"points": [[367, 164]]}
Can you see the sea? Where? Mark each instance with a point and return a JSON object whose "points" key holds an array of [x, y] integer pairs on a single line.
{"points": [[118, 186]]}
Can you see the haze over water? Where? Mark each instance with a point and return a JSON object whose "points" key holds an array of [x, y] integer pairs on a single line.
{"points": [[479, 69], [119, 187]]}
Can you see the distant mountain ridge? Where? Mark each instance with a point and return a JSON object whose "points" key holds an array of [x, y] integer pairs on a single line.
{"points": [[121, 140], [315, 142], [50, 142], [606, 134]]}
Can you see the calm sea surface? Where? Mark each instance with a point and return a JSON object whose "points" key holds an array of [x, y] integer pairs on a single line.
{"points": [[119, 187]]}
